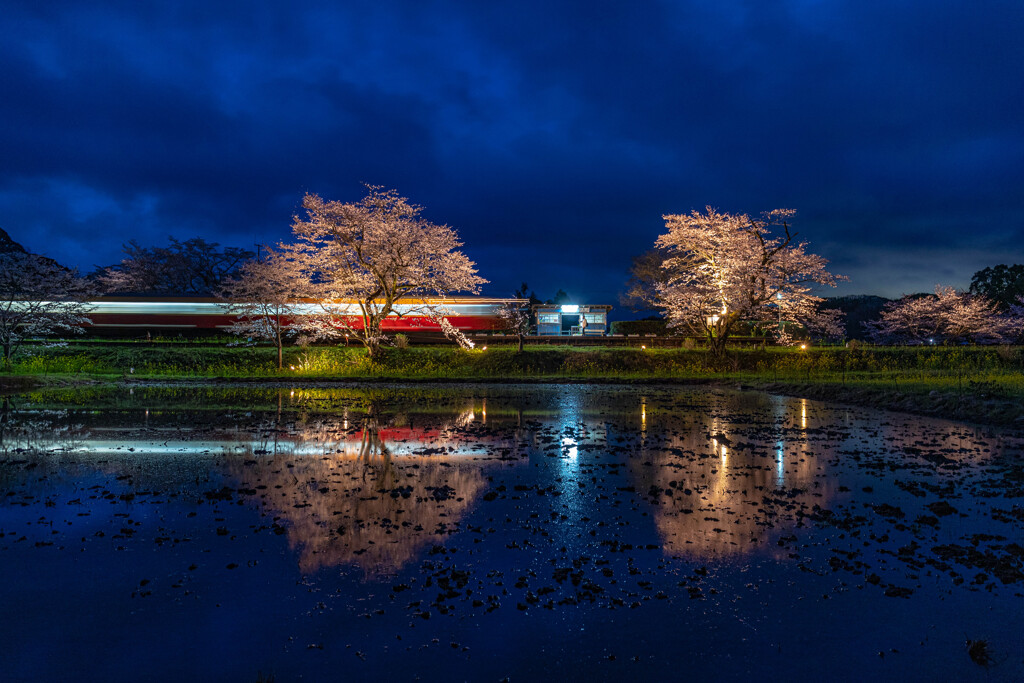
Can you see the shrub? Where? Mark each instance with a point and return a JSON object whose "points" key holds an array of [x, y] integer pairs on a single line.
{"points": [[658, 327]]}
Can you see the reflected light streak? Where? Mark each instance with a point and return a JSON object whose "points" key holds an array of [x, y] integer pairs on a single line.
{"points": [[780, 462], [803, 413]]}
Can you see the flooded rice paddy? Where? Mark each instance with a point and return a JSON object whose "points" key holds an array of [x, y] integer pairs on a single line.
{"points": [[493, 532]]}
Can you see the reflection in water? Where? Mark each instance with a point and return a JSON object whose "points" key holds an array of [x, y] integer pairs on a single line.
{"points": [[373, 477], [148, 524], [372, 497], [362, 503], [376, 511], [720, 481]]}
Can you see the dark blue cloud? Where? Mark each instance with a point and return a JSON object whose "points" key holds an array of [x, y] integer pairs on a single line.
{"points": [[552, 135]]}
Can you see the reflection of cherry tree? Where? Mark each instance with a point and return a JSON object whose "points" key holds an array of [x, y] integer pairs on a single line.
{"points": [[361, 503], [718, 494], [37, 432]]}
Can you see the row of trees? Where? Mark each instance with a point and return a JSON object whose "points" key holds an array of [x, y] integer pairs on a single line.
{"points": [[351, 265], [712, 272], [948, 316]]}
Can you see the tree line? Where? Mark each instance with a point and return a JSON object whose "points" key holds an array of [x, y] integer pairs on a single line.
{"points": [[713, 272], [350, 265]]}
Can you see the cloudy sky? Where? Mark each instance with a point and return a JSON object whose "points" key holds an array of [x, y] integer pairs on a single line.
{"points": [[552, 135]]}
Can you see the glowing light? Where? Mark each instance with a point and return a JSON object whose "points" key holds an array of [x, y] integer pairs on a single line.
{"points": [[803, 413], [803, 346], [780, 462], [643, 346], [570, 308], [483, 348]]}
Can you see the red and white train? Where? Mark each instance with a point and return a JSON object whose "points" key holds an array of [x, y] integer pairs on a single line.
{"points": [[133, 315]]}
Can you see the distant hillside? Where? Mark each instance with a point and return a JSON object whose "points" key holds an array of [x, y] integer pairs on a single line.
{"points": [[8, 245], [858, 310]]}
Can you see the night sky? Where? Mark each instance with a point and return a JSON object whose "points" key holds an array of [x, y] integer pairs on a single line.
{"points": [[552, 135]]}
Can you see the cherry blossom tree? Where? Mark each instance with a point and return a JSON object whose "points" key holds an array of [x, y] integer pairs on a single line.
{"points": [[1015, 319], [385, 258], [515, 315], [725, 269], [38, 298], [265, 299], [944, 317]]}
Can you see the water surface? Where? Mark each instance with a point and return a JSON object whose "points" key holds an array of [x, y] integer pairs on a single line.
{"points": [[484, 532]]}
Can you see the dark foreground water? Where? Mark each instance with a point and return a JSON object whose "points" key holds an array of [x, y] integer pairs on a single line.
{"points": [[484, 532]]}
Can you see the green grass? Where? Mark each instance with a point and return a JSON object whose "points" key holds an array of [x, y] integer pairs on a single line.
{"points": [[981, 384], [995, 370]]}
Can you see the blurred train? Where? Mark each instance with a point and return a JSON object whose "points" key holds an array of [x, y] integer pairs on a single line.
{"points": [[134, 316]]}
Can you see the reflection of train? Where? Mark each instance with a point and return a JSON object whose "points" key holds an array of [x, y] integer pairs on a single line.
{"points": [[120, 315]]}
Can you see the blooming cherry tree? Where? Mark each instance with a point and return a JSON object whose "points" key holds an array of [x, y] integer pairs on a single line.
{"points": [[382, 255], [265, 299], [515, 316], [724, 269], [38, 297], [1015, 319], [946, 316]]}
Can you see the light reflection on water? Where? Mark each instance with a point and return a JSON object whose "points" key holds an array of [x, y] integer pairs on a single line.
{"points": [[557, 502], [356, 481]]}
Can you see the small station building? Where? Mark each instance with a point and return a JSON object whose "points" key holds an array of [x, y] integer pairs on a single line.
{"points": [[571, 320]]}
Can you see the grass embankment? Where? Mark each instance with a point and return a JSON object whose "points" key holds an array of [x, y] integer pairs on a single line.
{"points": [[978, 383]]}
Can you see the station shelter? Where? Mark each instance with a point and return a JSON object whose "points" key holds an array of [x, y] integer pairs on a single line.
{"points": [[571, 320]]}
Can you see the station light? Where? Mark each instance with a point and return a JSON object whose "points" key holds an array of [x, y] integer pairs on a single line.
{"points": [[570, 308]]}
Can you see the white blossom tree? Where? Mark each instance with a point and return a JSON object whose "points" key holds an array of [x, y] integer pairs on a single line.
{"points": [[38, 298], [265, 299], [385, 258], [725, 269], [944, 317], [1015, 319], [515, 315]]}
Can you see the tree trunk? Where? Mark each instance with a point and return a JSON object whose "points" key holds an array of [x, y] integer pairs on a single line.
{"points": [[519, 338], [280, 346], [716, 344]]}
